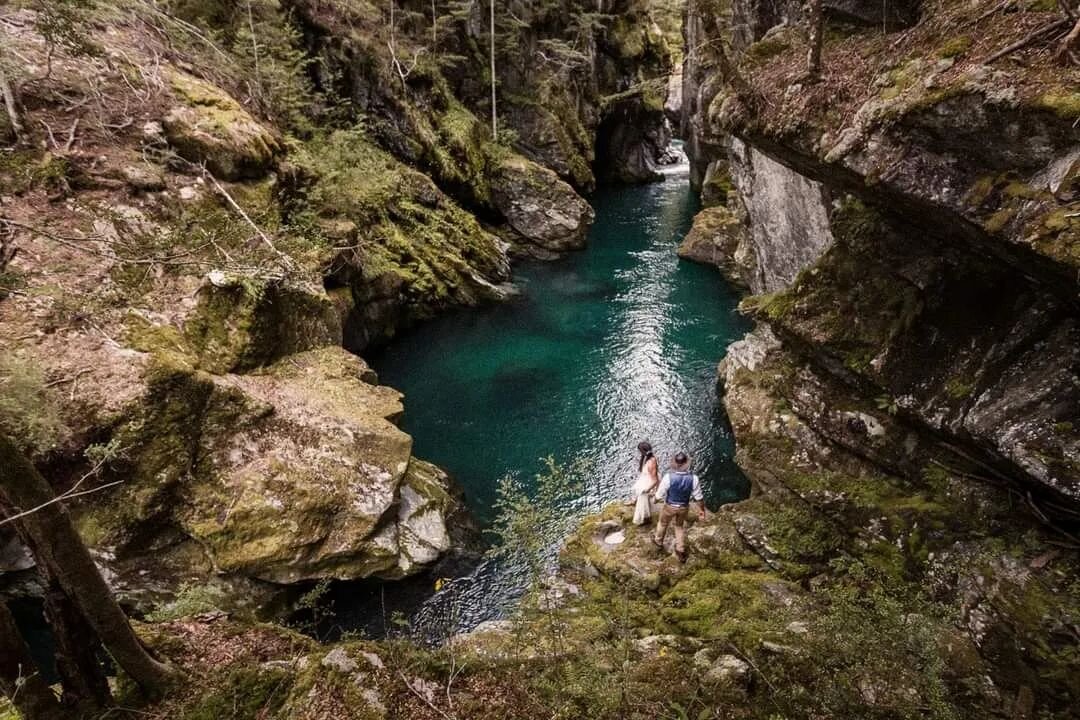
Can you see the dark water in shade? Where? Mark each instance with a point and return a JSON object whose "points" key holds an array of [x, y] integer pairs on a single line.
{"points": [[601, 349]]}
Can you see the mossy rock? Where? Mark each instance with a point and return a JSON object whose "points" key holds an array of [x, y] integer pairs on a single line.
{"points": [[411, 250], [541, 208], [211, 128], [1064, 103], [740, 607], [242, 322], [714, 239], [291, 474]]}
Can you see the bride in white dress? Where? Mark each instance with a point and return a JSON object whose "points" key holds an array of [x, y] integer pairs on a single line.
{"points": [[648, 479]]}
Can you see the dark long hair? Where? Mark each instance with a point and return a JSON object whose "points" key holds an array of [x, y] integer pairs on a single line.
{"points": [[646, 453]]}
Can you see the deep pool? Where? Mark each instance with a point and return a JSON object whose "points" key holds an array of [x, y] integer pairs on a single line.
{"points": [[601, 349]]}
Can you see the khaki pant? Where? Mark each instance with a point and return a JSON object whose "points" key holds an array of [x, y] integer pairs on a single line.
{"points": [[677, 516]]}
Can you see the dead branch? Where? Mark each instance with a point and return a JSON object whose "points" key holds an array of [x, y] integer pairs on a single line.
{"points": [[79, 244], [247, 218], [72, 492], [1045, 32], [183, 25], [70, 378], [992, 11], [391, 45], [423, 697], [1068, 53], [71, 135]]}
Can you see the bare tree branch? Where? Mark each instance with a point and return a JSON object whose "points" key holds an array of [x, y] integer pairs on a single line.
{"points": [[72, 492]]}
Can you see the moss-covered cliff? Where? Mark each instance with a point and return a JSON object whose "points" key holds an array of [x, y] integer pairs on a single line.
{"points": [[907, 410], [201, 224]]}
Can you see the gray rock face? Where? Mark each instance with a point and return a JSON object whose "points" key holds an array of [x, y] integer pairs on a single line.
{"points": [[631, 141], [966, 349], [541, 208], [869, 12], [788, 214]]}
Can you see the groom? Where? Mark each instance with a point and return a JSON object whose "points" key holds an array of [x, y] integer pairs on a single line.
{"points": [[677, 488]]}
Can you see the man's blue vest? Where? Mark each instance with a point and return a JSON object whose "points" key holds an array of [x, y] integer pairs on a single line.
{"points": [[681, 488]]}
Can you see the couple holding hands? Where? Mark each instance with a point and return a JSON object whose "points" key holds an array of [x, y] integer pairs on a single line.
{"points": [[676, 489]]}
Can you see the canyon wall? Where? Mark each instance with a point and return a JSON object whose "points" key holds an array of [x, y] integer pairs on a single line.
{"points": [[915, 288]]}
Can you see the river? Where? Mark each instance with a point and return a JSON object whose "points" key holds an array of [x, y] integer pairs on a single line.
{"points": [[600, 349]]}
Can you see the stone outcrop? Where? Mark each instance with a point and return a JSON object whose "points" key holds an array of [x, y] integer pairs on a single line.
{"points": [[720, 237], [294, 473], [253, 452], [406, 251], [539, 207], [931, 225], [187, 341], [209, 127], [787, 215]]}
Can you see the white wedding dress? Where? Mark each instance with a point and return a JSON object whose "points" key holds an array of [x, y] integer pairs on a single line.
{"points": [[642, 491]]}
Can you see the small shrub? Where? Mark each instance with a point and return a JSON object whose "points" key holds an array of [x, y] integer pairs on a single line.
{"points": [[190, 600]]}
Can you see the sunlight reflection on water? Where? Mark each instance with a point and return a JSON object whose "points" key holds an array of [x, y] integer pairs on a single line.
{"points": [[602, 349]]}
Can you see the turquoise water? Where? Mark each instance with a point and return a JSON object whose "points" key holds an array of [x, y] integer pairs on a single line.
{"points": [[600, 349]]}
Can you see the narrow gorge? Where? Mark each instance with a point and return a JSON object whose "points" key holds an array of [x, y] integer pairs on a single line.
{"points": [[331, 328]]}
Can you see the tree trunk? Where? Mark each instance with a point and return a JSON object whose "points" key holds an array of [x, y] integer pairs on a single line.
{"points": [[33, 698], [60, 549], [494, 112], [813, 56], [11, 103], [77, 664]]}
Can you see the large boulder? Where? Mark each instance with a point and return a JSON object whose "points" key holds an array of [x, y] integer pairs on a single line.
{"points": [[719, 237], [540, 207], [244, 321], [291, 474], [211, 128]]}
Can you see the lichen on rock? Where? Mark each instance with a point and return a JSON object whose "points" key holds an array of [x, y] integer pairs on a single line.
{"points": [[210, 128]]}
